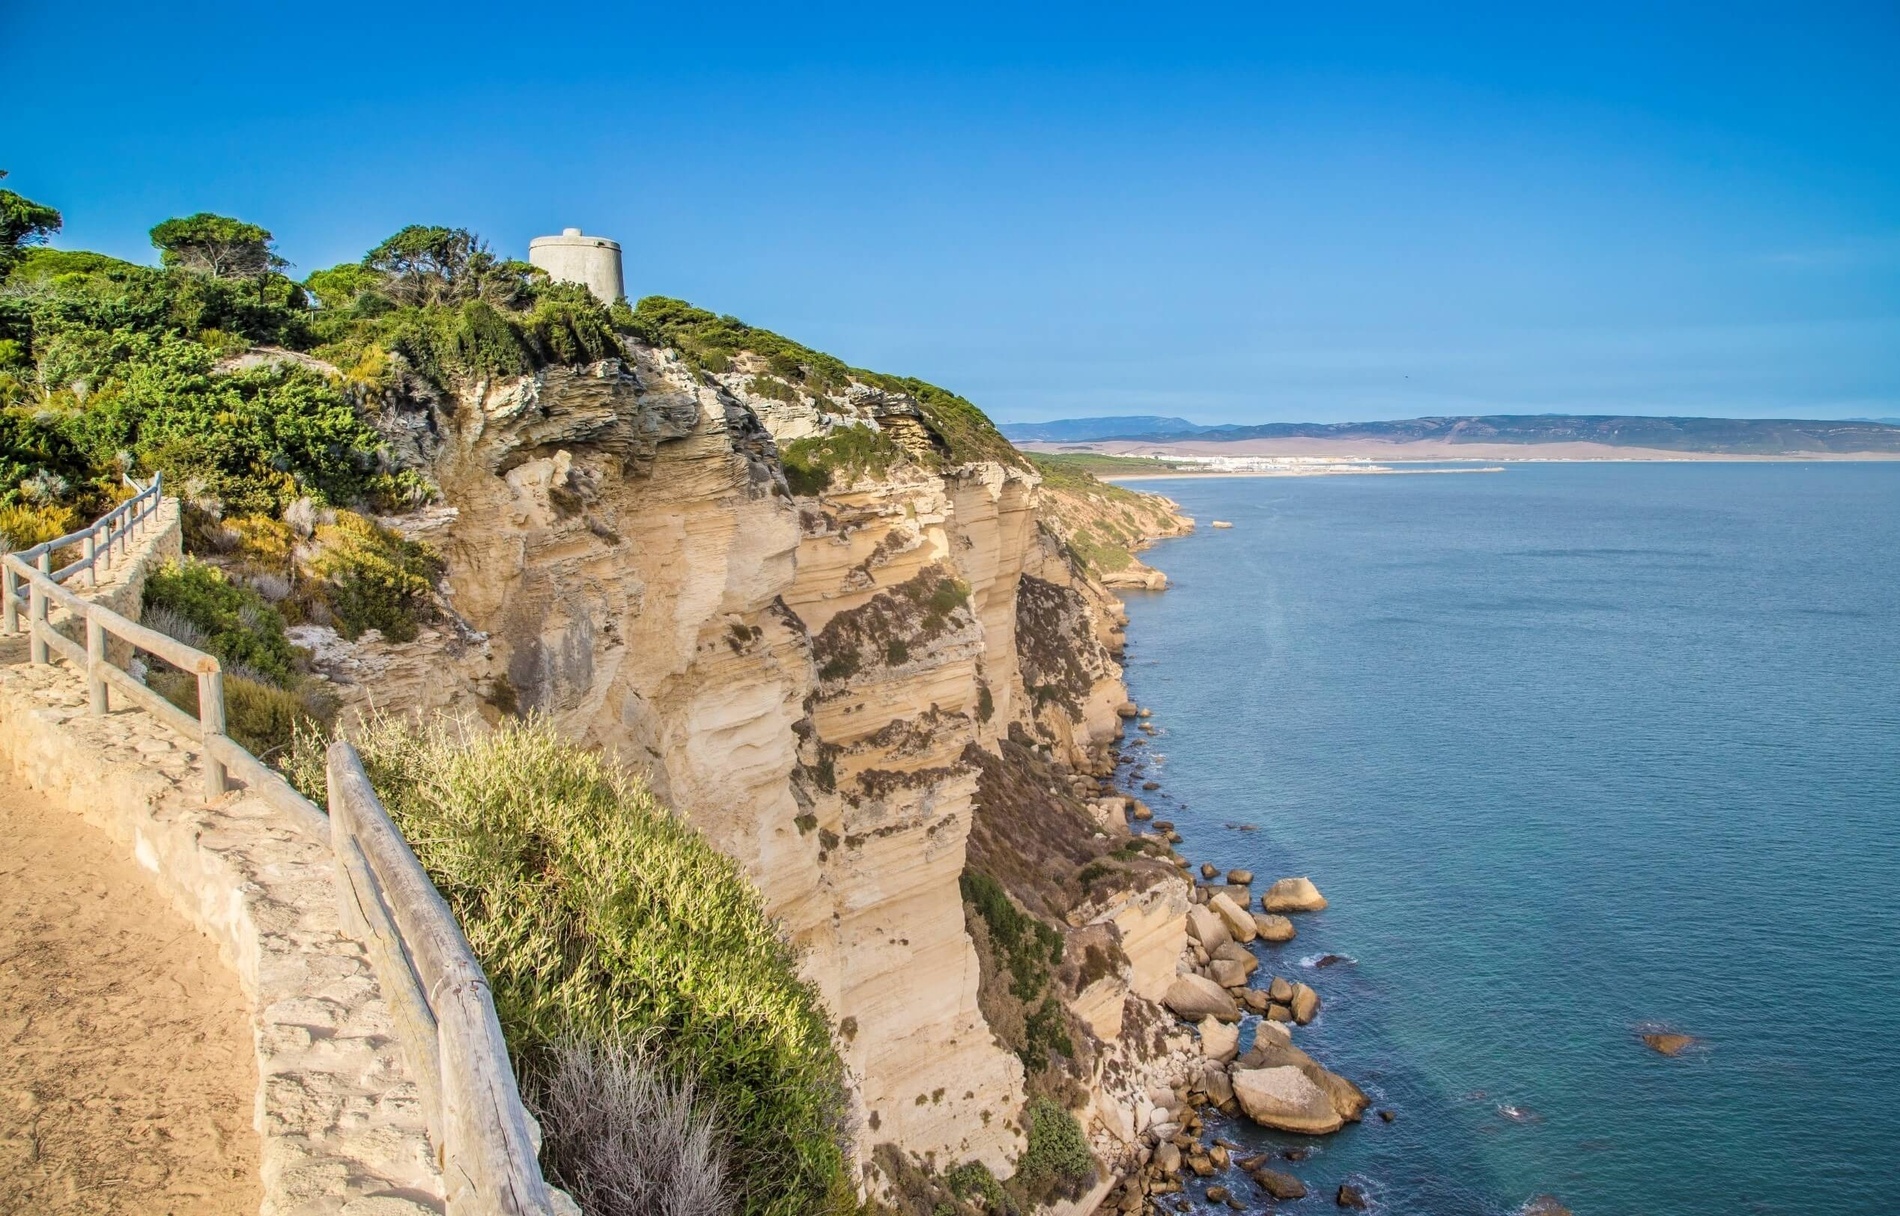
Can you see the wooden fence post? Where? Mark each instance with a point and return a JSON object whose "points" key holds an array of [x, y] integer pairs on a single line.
{"points": [[96, 664], [211, 721], [10, 605], [36, 612]]}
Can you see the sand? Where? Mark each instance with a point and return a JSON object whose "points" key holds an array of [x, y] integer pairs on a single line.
{"points": [[127, 1078]]}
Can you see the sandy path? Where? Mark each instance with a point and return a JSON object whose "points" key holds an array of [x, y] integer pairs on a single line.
{"points": [[127, 1078]]}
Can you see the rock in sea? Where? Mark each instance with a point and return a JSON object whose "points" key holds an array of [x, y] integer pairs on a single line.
{"points": [[1668, 1043], [1285, 1099], [1293, 895], [1273, 928], [1305, 1004], [1279, 1185], [1350, 1196]]}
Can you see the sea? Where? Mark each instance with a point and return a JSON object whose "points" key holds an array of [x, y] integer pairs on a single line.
{"points": [[1575, 752]]}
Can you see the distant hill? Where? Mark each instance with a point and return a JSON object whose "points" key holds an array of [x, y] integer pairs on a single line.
{"points": [[1734, 436], [1080, 430]]}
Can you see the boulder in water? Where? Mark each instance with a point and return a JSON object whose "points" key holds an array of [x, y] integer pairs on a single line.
{"points": [[1277, 1184], [1350, 1196], [1305, 1004], [1293, 895], [1285, 1099], [1273, 928]]}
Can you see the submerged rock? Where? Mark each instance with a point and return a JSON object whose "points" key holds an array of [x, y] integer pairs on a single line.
{"points": [[1279, 1185], [1350, 1196], [1293, 895], [1669, 1043]]}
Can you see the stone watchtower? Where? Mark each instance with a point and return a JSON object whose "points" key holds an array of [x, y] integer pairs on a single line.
{"points": [[592, 261]]}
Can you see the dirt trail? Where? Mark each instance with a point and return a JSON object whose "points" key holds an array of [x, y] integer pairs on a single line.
{"points": [[127, 1078]]}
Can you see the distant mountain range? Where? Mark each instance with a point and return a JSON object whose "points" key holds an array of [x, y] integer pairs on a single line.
{"points": [[1736, 436]]}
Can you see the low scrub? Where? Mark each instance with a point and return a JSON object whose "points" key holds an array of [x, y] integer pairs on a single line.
{"points": [[601, 918]]}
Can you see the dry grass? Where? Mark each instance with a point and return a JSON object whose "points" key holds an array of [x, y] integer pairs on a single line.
{"points": [[625, 1139]]}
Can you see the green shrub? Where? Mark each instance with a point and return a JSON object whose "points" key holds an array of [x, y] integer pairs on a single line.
{"points": [[1057, 1163], [234, 622], [374, 578], [599, 915], [973, 1180]]}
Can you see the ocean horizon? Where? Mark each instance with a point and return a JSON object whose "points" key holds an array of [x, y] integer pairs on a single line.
{"points": [[1576, 752]]}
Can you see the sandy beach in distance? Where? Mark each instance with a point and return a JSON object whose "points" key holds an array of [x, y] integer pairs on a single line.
{"points": [[1427, 450]]}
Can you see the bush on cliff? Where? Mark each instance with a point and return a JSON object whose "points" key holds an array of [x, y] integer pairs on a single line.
{"points": [[601, 917]]}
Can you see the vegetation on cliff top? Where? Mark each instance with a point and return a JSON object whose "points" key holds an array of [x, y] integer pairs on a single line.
{"points": [[109, 368], [711, 341], [602, 918]]}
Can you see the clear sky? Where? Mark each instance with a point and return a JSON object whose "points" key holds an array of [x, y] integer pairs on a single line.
{"points": [[1269, 212]]}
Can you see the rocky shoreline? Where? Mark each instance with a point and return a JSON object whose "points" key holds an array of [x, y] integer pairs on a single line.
{"points": [[1228, 982]]}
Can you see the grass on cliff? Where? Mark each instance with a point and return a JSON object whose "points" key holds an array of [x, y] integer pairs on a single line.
{"points": [[600, 917]]}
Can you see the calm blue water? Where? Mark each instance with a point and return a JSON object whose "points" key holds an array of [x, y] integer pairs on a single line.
{"points": [[1573, 750]]}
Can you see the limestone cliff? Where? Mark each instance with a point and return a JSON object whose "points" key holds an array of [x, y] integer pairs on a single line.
{"points": [[821, 681]]}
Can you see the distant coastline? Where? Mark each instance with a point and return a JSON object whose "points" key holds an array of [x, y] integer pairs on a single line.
{"points": [[1176, 474]]}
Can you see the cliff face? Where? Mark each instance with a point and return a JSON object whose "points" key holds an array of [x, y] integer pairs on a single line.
{"points": [[806, 677]]}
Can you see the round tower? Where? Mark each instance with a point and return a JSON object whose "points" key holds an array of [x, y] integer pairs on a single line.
{"points": [[592, 261]]}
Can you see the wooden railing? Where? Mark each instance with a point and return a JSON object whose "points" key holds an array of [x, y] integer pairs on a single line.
{"points": [[445, 1016], [442, 1005]]}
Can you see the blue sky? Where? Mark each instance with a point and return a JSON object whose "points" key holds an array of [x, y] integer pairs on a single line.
{"points": [[1269, 212]]}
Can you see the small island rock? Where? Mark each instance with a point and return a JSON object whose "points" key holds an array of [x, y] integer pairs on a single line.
{"points": [[1350, 1196]]}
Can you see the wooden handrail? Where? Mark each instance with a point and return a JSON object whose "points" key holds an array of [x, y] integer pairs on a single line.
{"points": [[442, 1003]]}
